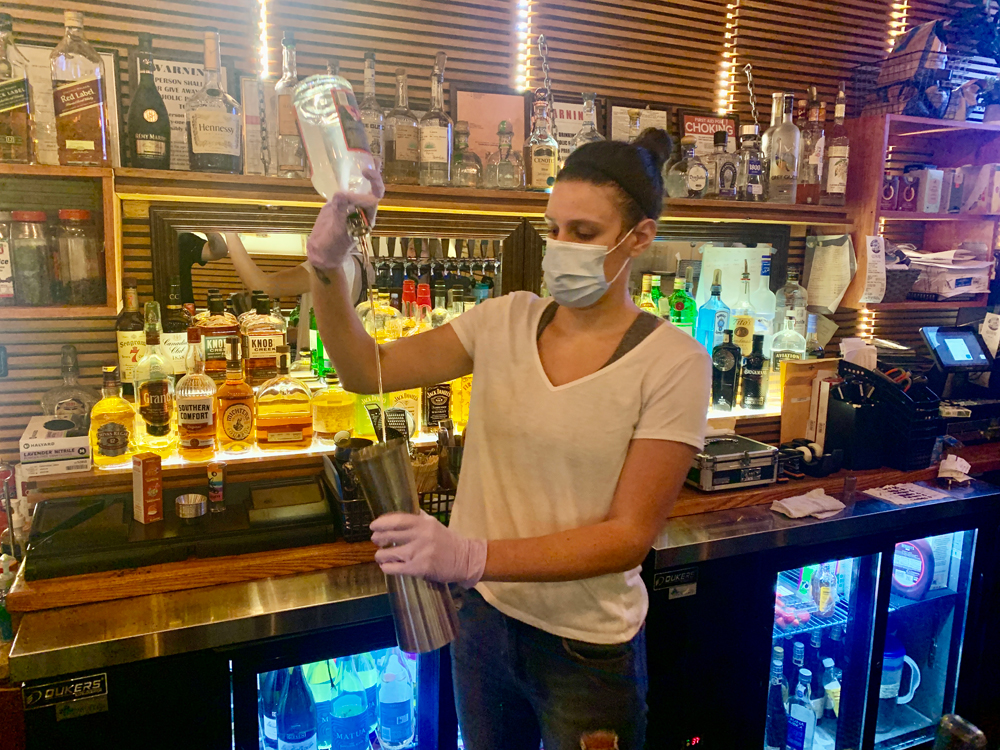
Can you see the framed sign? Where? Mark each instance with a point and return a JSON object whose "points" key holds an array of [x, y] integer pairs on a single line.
{"points": [[703, 124], [569, 120], [40, 75], [483, 109], [616, 118]]}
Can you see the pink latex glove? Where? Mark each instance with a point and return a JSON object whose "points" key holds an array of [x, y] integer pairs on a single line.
{"points": [[329, 244], [421, 546]]}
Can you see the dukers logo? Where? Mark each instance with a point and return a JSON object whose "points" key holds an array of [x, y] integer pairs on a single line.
{"points": [[39, 696]]}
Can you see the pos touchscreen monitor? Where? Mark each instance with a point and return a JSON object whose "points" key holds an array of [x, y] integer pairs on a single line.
{"points": [[957, 349]]}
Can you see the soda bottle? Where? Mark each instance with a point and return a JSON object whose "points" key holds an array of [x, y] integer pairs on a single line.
{"points": [[321, 685], [395, 703], [296, 714], [349, 727]]}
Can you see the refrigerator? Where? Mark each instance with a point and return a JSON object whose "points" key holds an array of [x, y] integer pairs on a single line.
{"points": [[827, 636]]}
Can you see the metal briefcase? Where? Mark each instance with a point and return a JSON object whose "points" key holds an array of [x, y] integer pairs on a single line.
{"points": [[733, 461]]}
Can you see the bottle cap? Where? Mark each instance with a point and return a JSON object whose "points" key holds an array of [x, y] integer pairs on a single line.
{"points": [[74, 214], [332, 377], [28, 216], [370, 55], [720, 138], [73, 18], [145, 41], [689, 141], [282, 349], [129, 281], [6, 22], [111, 377], [750, 129], [805, 675], [827, 662], [194, 335], [288, 39]]}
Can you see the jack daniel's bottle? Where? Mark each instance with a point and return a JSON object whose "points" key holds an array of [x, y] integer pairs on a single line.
{"points": [[215, 140], [78, 98]]}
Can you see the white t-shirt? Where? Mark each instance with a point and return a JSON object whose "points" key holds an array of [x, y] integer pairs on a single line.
{"points": [[541, 459]]}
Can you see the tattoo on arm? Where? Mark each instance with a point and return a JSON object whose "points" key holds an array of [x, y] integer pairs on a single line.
{"points": [[321, 275]]}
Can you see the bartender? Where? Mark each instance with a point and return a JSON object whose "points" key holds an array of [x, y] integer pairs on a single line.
{"points": [[585, 416]]}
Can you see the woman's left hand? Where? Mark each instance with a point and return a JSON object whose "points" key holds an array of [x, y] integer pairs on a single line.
{"points": [[421, 546]]}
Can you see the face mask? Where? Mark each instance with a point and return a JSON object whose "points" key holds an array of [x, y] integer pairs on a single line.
{"points": [[574, 271]]}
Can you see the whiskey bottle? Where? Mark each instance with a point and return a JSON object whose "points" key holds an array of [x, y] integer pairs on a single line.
{"points": [[154, 388], [148, 121], [838, 155], [262, 334], [196, 407], [78, 98], [435, 132], [70, 400], [112, 424], [291, 155], [130, 335], [216, 330], [755, 376], [371, 112], [16, 106], [284, 410], [213, 119], [727, 361], [332, 411], [436, 406], [402, 139], [175, 327], [541, 151], [461, 400], [236, 404]]}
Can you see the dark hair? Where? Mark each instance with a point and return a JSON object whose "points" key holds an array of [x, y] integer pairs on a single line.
{"points": [[636, 169]]}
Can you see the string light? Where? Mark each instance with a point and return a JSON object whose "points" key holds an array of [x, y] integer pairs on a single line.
{"points": [[265, 64], [866, 323], [900, 17], [523, 28], [727, 65]]}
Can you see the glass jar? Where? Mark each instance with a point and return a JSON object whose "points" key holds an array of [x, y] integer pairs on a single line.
{"points": [[81, 259], [6, 268], [31, 256]]}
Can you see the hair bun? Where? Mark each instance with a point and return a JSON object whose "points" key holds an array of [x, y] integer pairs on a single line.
{"points": [[658, 143]]}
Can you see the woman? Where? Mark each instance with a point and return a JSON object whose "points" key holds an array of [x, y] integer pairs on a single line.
{"points": [[585, 416]]}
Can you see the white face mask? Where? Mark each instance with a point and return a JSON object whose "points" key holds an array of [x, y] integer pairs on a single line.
{"points": [[574, 271]]}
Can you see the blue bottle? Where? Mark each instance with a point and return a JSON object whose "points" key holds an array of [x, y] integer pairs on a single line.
{"points": [[321, 686], [271, 687], [349, 727], [296, 715], [713, 316]]}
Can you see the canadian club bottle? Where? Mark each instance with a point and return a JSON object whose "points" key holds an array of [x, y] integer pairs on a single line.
{"points": [[213, 119], [148, 122], [16, 108], [130, 335], [175, 326], [78, 98]]}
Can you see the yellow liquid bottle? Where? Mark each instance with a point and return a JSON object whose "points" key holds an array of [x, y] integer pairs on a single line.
{"points": [[284, 410], [112, 425], [461, 398], [333, 411], [235, 404]]}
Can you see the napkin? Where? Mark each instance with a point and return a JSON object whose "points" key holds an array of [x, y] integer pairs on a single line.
{"points": [[954, 467], [814, 503]]}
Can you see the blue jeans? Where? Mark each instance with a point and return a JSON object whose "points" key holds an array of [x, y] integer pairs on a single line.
{"points": [[516, 684]]}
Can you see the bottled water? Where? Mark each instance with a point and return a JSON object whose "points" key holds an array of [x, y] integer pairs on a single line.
{"points": [[321, 686], [395, 704], [349, 727], [368, 674]]}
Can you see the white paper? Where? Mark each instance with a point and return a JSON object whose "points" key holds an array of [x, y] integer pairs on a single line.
{"points": [[650, 118], [830, 271], [177, 82], [826, 329], [875, 278], [569, 120], [990, 331]]}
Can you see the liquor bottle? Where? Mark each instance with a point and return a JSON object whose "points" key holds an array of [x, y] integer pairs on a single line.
{"points": [[262, 334], [783, 169], [272, 688], [634, 120], [787, 344], [646, 303], [383, 322], [751, 185], [321, 686], [395, 703], [435, 132], [713, 316], [291, 155], [236, 404], [214, 120], [504, 167], [349, 715], [541, 151], [175, 328], [776, 727], [284, 413], [466, 167], [754, 376], [371, 112], [461, 400], [824, 591], [722, 177], [435, 406], [743, 317], [367, 671], [814, 664], [792, 298], [296, 722], [778, 655], [216, 330], [129, 333], [70, 400], [796, 663], [766, 141], [154, 388], [196, 406], [811, 159], [332, 411], [838, 155], [148, 121], [78, 97], [832, 676], [17, 115], [655, 291], [687, 177], [801, 717], [683, 308], [112, 424], [763, 301], [588, 129], [814, 349], [727, 360], [402, 139], [440, 314]]}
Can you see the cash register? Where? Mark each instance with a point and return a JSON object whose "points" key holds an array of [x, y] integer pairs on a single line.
{"points": [[968, 378]]}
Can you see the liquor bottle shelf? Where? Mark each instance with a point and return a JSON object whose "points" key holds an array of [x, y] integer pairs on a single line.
{"points": [[49, 170], [897, 602], [979, 301], [905, 126], [55, 311]]}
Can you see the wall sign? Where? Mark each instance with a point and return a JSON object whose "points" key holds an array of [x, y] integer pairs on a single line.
{"points": [[703, 125]]}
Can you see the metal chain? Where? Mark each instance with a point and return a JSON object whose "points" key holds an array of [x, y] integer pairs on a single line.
{"points": [[265, 142], [748, 69], [545, 92]]}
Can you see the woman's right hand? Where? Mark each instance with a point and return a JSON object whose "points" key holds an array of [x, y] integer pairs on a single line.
{"points": [[329, 243]]}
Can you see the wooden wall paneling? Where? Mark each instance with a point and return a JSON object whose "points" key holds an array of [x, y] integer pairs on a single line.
{"points": [[659, 52]]}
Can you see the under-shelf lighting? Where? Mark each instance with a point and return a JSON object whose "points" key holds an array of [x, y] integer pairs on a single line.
{"points": [[899, 16], [866, 323], [265, 64], [522, 27], [727, 65]]}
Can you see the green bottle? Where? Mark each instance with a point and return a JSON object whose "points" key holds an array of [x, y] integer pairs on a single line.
{"points": [[320, 362], [683, 309]]}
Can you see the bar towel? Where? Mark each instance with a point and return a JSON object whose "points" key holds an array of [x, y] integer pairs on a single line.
{"points": [[814, 503]]}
